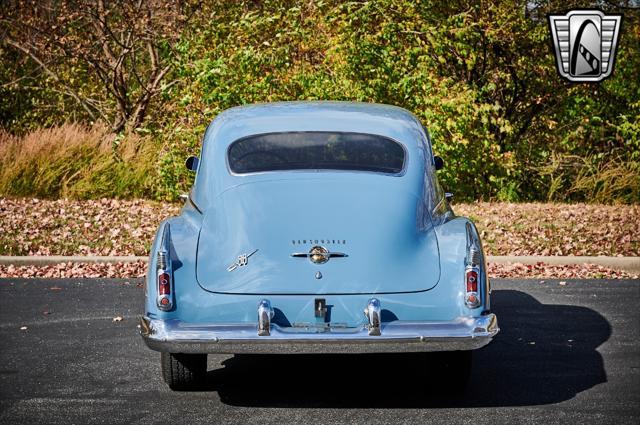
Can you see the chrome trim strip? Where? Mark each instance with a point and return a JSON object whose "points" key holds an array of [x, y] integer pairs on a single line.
{"points": [[463, 333], [193, 203]]}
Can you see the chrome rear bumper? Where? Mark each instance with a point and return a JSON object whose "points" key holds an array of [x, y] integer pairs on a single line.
{"points": [[464, 333]]}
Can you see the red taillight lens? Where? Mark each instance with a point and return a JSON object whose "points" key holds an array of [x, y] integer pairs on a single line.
{"points": [[164, 284], [472, 297], [472, 281]]}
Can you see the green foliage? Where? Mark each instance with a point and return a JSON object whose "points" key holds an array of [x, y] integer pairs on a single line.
{"points": [[480, 75]]}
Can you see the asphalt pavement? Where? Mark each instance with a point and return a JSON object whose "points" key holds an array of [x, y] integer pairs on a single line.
{"points": [[566, 354]]}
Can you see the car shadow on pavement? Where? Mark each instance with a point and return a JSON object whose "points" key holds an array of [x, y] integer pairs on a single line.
{"points": [[543, 354]]}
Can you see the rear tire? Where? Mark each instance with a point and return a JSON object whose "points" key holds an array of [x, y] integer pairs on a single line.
{"points": [[183, 371]]}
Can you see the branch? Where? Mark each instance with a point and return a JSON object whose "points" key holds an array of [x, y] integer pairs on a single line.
{"points": [[27, 76], [52, 74]]}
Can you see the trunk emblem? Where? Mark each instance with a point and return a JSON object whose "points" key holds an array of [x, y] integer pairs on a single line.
{"points": [[318, 254], [242, 261]]}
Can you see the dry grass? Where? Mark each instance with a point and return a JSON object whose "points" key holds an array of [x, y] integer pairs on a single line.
{"points": [[614, 180], [607, 180], [73, 161]]}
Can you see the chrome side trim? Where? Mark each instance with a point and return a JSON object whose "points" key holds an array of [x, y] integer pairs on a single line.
{"points": [[193, 203], [463, 333]]}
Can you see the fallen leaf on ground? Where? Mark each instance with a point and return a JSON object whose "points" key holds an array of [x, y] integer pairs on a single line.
{"points": [[555, 228], [69, 227], [79, 270], [117, 319], [553, 271], [110, 227], [138, 269]]}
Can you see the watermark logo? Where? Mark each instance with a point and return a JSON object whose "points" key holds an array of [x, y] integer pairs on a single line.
{"points": [[585, 44]]}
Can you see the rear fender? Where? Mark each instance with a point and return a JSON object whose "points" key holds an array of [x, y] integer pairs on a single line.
{"points": [[182, 243], [453, 240]]}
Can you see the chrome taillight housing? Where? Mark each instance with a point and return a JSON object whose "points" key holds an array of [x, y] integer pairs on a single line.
{"points": [[473, 271], [472, 296], [164, 287]]}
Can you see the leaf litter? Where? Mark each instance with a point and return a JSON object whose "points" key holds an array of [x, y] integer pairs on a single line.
{"points": [[32, 226]]}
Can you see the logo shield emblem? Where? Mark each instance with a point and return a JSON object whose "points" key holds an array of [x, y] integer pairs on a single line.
{"points": [[585, 44]]}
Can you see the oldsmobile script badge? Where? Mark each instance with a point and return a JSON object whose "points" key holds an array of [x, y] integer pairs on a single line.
{"points": [[319, 254]]}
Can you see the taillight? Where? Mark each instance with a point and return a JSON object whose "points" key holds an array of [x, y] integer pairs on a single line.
{"points": [[164, 298], [472, 275], [472, 281], [164, 284], [475, 272], [472, 297]]}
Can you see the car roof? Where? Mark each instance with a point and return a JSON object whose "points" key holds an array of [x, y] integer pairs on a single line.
{"points": [[214, 176], [357, 117]]}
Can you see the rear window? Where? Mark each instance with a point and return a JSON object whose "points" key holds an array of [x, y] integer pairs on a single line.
{"points": [[316, 151]]}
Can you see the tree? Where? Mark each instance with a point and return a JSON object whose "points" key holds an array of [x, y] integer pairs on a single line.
{"points": [[110, 57]]}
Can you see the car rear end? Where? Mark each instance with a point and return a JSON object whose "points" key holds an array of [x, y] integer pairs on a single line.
{"points": [[315, 241]]}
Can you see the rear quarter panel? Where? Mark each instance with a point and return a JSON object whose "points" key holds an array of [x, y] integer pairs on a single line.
{"points": [[184, 231], [452, 242]]}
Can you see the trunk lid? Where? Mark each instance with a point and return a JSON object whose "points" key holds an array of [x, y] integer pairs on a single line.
{"points": [[270, 220]]}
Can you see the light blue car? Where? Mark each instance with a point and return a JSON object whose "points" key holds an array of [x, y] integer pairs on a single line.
{"points": [[315, 227]]}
